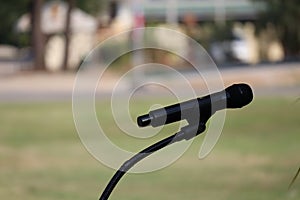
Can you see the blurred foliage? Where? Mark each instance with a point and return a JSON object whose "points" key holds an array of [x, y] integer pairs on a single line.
{"points": [[13, 9], [222, 32], [10, 11], [284, 17], [211, 32], [92, 7]]}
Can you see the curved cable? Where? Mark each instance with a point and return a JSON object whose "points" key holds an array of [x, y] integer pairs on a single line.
{"points": [[186, 133], [132, 161]]}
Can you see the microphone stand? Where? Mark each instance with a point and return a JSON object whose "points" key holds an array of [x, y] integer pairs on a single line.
{"points": [[186, 133], [235, 96]]}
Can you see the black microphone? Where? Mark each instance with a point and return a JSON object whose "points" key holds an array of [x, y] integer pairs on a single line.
{"points": [[201, 109]]}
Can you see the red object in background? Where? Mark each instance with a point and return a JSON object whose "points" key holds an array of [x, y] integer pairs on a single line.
{"points": [[139, 21]]}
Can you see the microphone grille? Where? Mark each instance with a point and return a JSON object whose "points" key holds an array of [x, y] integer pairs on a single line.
{"points": [[238, 95]]}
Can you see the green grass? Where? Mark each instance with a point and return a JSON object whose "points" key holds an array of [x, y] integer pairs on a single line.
{"points": [[41, 156]]}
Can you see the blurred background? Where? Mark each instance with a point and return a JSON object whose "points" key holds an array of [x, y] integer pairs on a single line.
{"points": [[43, 43]]}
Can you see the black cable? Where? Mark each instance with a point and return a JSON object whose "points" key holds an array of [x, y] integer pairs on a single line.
{"points": [[132, 161], [186, 133]]}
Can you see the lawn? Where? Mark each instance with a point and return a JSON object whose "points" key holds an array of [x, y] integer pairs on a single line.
{"points": [[41, 157]]}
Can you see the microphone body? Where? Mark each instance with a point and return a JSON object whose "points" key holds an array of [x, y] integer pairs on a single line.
{"points": [[199, 110]]}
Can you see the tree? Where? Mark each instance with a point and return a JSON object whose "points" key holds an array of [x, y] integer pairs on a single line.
{"points": [[71, 5], [10, 11], [90, 6], [37, 37], [284, 17]]}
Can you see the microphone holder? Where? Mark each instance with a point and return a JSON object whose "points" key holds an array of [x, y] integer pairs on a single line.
{"points": [[237, 95], [191, 130]]}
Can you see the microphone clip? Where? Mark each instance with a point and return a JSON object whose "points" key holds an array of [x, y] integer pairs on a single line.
{"points": [[190, 131]]}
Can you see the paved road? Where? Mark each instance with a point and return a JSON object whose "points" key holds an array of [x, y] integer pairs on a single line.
{"points": [[266, 80]]}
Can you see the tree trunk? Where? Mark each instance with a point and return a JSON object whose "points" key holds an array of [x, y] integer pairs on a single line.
{"points": [[71, 5], [37, 37]]}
